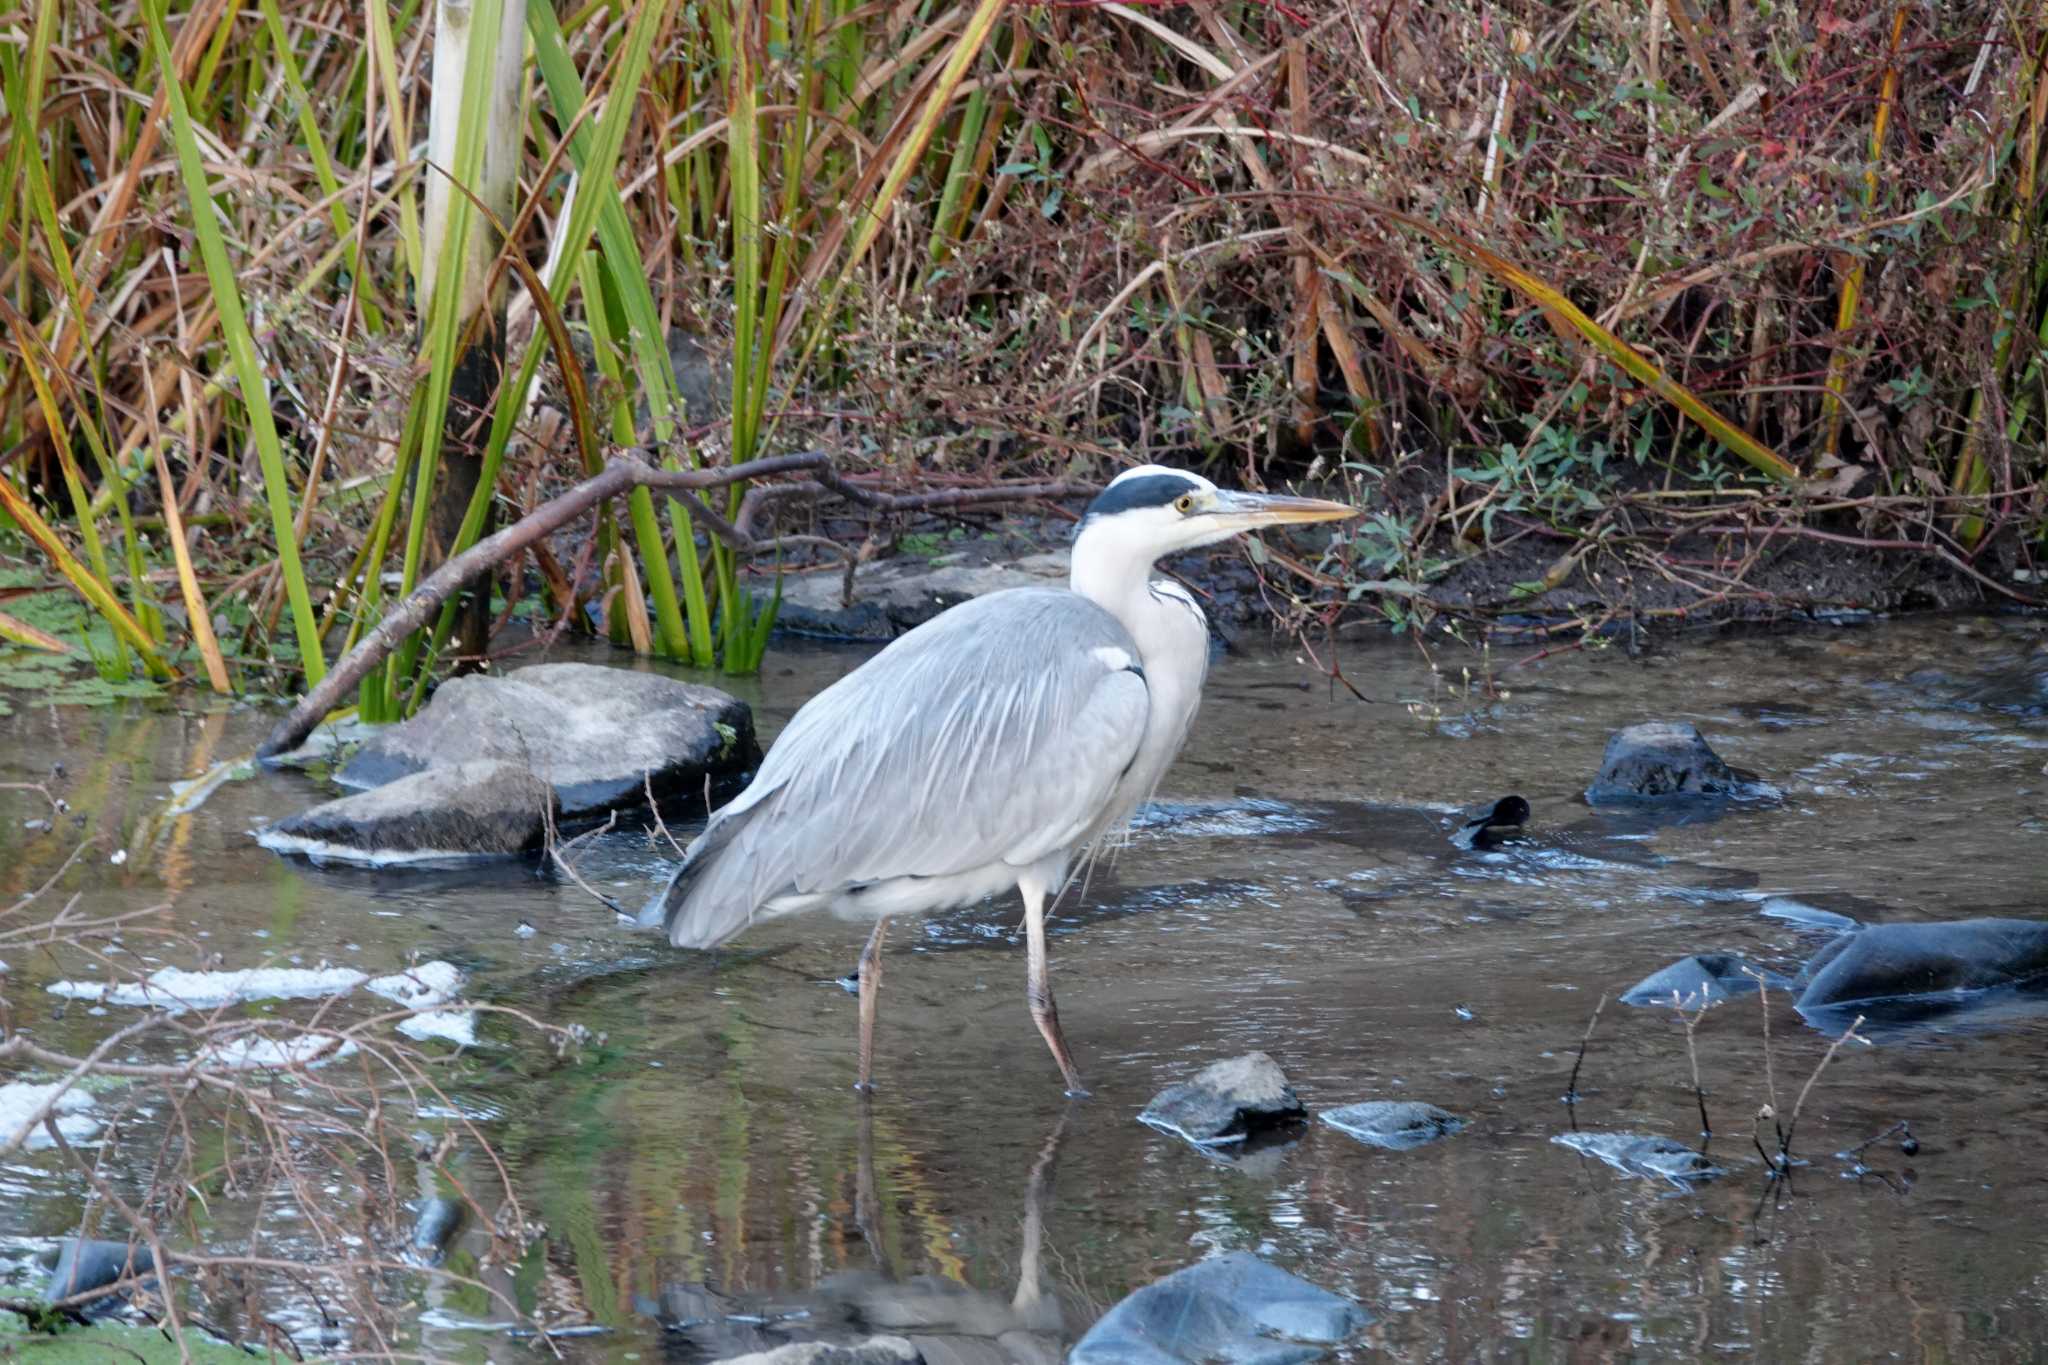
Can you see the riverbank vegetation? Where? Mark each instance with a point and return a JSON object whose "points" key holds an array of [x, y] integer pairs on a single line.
{"points": [[300, 299]]}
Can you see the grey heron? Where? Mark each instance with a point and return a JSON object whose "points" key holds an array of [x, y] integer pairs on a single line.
{"points": [[995, 746]]}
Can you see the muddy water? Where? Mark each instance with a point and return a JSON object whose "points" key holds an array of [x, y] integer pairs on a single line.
{"points": [[709, 1182]]}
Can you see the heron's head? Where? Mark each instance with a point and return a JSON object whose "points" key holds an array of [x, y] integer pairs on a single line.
{"points": [[1156, 511]]}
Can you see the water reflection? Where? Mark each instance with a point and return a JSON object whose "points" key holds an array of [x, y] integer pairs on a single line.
{"points": [[944, 1317], [1298, 893]]}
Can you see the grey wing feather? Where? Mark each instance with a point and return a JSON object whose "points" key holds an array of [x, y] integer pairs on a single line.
{"points": [[996, 732]]}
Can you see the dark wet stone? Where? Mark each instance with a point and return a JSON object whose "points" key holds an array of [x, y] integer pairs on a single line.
{"points": [[1226, 1101], [863, 622], [595, 734], [877, 1350], [1889, 962], [1397, 1125], [1233, 1308], [438, 1221], [84, 1264], [1661, 758], [1653, 1158], [1699, 980], [891, 596], [2019, 688], [482, 809], [1493, 825]]}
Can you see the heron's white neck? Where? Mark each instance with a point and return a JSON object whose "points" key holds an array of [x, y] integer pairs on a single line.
{"points": [[1172, 640], [1113, 573], [1116, 574]]}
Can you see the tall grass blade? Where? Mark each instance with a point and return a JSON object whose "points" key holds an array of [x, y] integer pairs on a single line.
{"points": [[1618, 352], [196, 610], [95, 593], [445, 262], [1839, 355], [17, 631], [241, 346]]}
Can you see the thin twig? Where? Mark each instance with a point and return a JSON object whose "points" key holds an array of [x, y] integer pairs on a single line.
{"points": [[1571, 1094], [556, 850], [654, 806], [1792, 1124], [1692, 1023]]}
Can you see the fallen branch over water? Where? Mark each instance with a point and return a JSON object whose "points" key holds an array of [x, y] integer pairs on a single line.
{"points": [[625, 472]]}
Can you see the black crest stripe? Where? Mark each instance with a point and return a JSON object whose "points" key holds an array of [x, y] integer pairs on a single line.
{"points": [[1147, 490]]}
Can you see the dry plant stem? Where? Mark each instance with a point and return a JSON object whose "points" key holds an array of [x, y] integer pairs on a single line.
{"points": [[1763, 1000], [557, 849], [654, 807], [624, 473], [1571, 1093], [1792, 1124], [1692, 1023]]}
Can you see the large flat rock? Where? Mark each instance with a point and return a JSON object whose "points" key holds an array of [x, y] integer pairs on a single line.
{"points": [[1887, 963], [482, 808], [596, 735]]}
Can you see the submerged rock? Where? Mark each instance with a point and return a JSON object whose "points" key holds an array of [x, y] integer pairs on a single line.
{"points": [[1226, 1101], [1234, 1308], [1661, 758], [85, 1264], [596, 735], [438, 1220], [484, 808], [1699, 980], [1397, 1125], [879, 1350], [1914, 962], [1642, 1154]]}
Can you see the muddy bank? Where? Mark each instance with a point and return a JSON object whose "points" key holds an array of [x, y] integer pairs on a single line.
{"points": [[1531, 584]]}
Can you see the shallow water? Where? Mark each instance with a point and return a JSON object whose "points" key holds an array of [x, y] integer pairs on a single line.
{"points": [[703, 1155]]}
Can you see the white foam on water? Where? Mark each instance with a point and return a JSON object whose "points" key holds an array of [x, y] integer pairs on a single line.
{"points": [[176, 989], [323, 851], [277, 1054], [452, 1026], [429, 983], [22, 1101]]}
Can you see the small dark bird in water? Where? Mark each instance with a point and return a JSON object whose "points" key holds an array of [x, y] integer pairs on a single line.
{"points": [[998, 745], [1498, 824]]}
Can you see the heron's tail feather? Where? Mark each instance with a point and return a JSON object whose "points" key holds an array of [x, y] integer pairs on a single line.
{"points": [[707, 901]]}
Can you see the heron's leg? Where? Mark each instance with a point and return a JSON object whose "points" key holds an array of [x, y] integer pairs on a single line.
{"points": [[870, 985], [1038, 987]]}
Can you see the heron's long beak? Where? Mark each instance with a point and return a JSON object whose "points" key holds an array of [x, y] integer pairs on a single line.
{"points": [[1248, 511]]}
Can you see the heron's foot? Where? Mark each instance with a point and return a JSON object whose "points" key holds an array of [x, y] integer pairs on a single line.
{"points": [[1076, 1090]]}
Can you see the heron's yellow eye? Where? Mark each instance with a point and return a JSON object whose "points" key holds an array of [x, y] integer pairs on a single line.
{"points": [[1184, 504]]}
